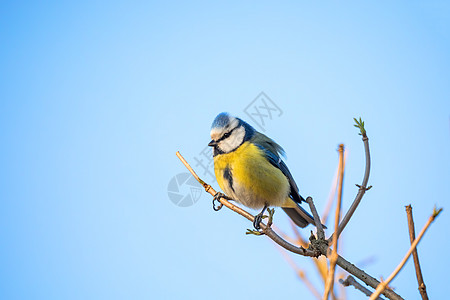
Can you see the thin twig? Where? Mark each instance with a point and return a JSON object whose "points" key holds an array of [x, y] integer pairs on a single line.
{"points": [[317, 221], [342, 262], [412, 236], [342, 289], [352, 281], [383, 284], [331, 197], [330, 279], [366, 278], [332, 193], [363, 187]]}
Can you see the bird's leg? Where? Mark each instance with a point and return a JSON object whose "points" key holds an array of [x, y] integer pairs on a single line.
{"points": [[258, 218]]}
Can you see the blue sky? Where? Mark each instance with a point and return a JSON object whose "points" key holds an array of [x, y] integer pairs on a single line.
{"points": [[96, 98]]}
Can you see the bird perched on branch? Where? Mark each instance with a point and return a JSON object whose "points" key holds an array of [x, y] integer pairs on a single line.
{"points": [[249, 169]]}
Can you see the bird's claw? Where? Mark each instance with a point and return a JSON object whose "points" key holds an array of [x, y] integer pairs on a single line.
{"points": [[257, 221], [216, 199], [258, 218]]}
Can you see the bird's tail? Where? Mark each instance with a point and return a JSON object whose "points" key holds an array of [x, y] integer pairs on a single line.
{"points": [[298, 214]]}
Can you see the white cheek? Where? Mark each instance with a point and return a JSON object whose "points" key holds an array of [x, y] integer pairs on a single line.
{"points": [[234, 141]]}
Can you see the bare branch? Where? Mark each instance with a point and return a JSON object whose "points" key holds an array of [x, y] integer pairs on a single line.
{"points": [[352, 281], [342, 289], [383, 284], [363, 187], [364, 277], [317, 221], [332, 193], [277, 239], [330, 279], [331, 196], [412, 236]]}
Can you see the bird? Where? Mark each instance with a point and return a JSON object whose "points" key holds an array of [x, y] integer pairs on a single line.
{"points": [[249, 169]]}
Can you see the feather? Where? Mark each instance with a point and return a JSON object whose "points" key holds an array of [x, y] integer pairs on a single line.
{"points": [[273, 153]]}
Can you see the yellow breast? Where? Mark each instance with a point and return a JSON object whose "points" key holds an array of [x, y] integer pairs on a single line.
{"points": [[254, 181]]}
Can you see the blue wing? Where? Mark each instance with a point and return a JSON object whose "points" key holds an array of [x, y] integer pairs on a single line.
{"points": [[272, 152]]}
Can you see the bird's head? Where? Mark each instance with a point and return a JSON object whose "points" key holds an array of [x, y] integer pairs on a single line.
{"points": [[228, 133]]}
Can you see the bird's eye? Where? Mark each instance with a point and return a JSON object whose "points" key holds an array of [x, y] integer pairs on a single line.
{"points": [[226, 135]]}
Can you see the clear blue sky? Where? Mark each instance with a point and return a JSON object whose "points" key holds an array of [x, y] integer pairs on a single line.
{"points": [[96, 98]]}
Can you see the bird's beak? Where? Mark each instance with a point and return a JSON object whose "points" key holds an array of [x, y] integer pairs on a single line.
{"points": [[213, 143]]}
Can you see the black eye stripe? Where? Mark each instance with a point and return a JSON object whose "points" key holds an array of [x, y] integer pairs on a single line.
{"points": [[226, 134]]}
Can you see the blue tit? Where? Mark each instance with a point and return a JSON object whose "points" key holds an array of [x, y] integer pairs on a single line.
{"points": [[249, 169]]}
